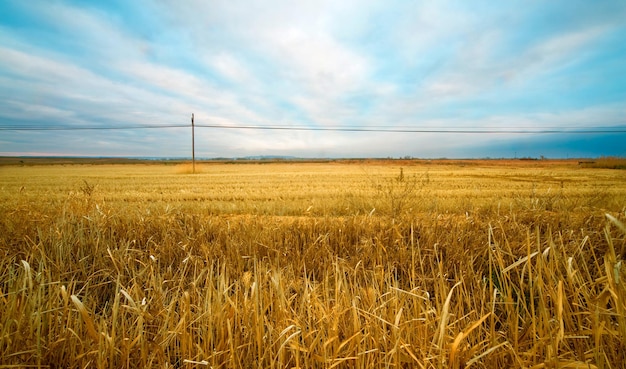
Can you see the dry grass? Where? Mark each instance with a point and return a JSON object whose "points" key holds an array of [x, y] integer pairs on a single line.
{"points": [[605, 162], [189, 168], [313, 266]]}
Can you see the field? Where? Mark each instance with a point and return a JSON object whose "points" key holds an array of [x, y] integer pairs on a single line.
{"points": [[362, 264]]}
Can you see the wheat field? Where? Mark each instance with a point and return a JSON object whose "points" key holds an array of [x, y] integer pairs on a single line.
{"points": [[347, 264]]}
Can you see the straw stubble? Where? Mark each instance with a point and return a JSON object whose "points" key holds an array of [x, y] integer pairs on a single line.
{"points": [[289, 272]]}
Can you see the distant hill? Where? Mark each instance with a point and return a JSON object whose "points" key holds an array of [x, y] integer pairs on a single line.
{"points": [[268, 157]]}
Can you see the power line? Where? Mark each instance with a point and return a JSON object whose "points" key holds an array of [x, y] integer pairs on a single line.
{"points": [[485, 130], [380, 129], [82, 128]]}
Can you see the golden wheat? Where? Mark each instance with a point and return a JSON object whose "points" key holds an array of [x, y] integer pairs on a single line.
{"points": [[313, 265]]}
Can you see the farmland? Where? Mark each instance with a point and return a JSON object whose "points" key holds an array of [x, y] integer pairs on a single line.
{"points": [[363, 264]]}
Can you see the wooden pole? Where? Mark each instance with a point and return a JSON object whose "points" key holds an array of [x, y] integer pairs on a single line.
{"points": [[193, 146]]}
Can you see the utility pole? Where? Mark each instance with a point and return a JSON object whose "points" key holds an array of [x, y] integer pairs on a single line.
{"points": [[193, 146]]}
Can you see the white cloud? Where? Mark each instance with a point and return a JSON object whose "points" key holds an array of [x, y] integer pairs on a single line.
{"points": [[65, 90], [168, 80], [316, 61], [230, 67], [96, 35], [19, 110], [295, 41], [324, 63]]}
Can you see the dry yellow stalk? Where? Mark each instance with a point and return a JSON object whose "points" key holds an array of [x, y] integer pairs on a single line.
{"points": [[91, 330], [454, 347]]}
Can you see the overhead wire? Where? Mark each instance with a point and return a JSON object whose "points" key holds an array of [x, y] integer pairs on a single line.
{"points": [[78, 128], [486, 130], [380, 129]]}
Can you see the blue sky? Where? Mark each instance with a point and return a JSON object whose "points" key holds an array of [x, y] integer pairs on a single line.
{"points": [[399, 64]]}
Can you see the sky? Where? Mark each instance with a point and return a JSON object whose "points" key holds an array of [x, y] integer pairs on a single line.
{"points": [[122, 78]]}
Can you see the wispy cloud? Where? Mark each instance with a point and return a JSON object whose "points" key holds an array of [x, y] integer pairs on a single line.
{"points": [[315, 64]]}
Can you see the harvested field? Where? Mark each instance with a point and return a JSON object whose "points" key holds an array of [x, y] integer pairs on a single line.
{"points": [[363, 264]]}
